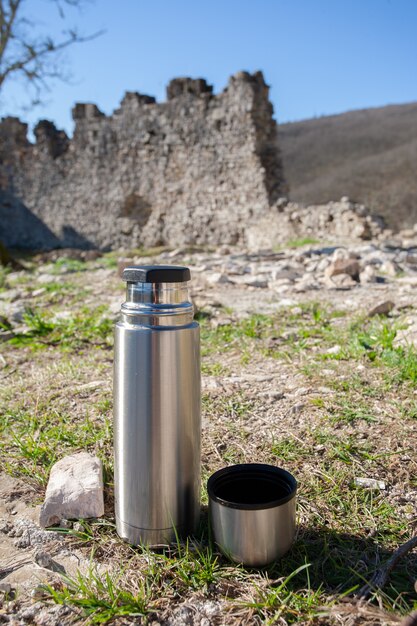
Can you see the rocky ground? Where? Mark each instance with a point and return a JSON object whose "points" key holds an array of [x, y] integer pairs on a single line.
{"points": [[309, 362]]}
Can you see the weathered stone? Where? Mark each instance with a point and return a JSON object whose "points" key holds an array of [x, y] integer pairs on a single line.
{"points": [[340, 281], [343, 221], [195, 169], [75, 490], [334, 349], [218, 278], [256, 281], [350, 267], [39, 593], [407, 336], [43, 559], [389, 268], [382, 309], [368, 275], [5, 588], [370, 483]]}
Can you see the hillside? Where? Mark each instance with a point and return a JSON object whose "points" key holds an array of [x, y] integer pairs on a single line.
{"points": [[368, 155]]}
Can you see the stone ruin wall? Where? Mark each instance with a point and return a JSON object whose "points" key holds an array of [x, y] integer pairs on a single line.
{"points": [[198, 168]]}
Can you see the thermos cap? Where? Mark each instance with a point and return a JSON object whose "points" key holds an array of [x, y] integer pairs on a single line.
{"points": [[156, 274]]}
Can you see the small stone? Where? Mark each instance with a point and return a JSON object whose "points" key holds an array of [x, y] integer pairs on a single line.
{"points": [[368, 275], [11, 295], [75, 490], [256, 282], [350, 267], [297, 408], [46, 278], [370, 483], [43, 559], [78, 527], [340, 281], [24, 541], [382, 309], [389, 268], [218, 278], [5, 527], [38, 593], [334, 349], [18, 313], [28, 614], [38, 292], [65, 523], [5, 588]]}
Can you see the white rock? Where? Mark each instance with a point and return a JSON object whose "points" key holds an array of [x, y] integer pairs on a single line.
{"points": [[17, 313], [11, 295], [370, 483], [47, 278], [218, 278], [340, 281], [389, 268], [334, 349], [368, 275], [256, 282], [75, 490]]}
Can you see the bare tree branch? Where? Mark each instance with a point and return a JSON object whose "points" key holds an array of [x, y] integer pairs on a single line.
{"points": [[34, 59], [380, 578]]}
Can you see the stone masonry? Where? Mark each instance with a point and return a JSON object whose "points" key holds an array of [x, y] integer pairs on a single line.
{"points": [[198, 168]]}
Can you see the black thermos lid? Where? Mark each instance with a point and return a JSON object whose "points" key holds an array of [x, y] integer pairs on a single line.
{"points": [[156, 274]]}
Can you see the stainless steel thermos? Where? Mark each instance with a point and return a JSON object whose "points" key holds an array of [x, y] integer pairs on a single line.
{"points": [[157, 420]]}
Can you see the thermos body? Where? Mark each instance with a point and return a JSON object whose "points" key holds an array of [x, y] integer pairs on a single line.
{"points": [[157, 424]]}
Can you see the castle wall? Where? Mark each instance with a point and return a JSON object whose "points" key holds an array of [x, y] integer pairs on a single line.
{"points": [[197, 168]]}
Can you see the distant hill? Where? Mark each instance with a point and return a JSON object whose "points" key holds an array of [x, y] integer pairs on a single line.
{"points": [[368, 155]]}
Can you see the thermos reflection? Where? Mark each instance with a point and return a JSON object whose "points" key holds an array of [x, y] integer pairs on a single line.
{"points": [[157, 422]]}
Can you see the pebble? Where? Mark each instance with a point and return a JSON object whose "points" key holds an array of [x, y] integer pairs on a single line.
{"points": [[389, 268], [11, 295], [44, 559], [47, 278], [297, 408], [350, 267], [370, 483], [38, 593], [256, 282], [218, 278], [334, 349], [368, 275], [340, 281], [66, 523], [382, 309]]}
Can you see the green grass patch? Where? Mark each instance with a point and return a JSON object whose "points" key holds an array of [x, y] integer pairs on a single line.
{"points": [[100, 598], [66, 265], [85, 328], [30, 443]]}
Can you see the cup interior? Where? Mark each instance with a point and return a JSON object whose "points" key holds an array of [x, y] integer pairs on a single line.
{"points": [[252, 486]]}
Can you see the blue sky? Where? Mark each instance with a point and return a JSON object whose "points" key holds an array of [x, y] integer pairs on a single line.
{"points": [[319, 56]]}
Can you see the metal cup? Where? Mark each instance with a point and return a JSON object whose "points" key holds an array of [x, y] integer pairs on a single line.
{"points": [[252, 512]]}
